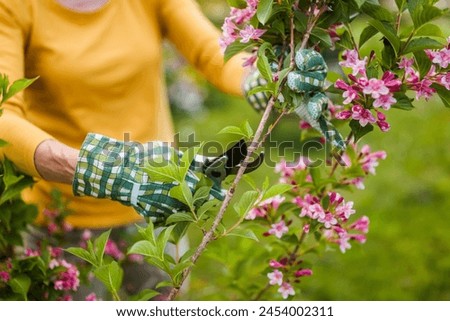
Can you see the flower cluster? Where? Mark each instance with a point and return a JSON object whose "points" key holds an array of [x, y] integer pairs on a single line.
{"points": [[292, 274], [56, 224], [236, 26], [361, 89], [67, 279]]}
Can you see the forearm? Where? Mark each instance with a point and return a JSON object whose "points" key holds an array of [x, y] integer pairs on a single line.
{"points": [[56, 161]]}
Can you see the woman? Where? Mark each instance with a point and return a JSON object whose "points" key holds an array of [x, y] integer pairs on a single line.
{"points": [[99, 64]]}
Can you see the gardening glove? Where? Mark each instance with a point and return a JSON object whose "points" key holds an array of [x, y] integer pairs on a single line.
{"points": [[306, 81], [112, 169]]}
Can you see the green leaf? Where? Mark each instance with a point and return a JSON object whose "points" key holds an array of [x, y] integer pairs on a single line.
{"points": [[400, 4], [423, 14], [165, 174], [323, 36], [178, 269], [246, 202], [264, 10], [263, 66], [205, 208], [367, 34], [186, 161], [387, 55], [83, 254], [147, 232], [111, 275], [403, 101], [182, 193], [315, 175], [237, 3], [235, 130], [275, 190], [100, 244], [423, 63], [144, 295], [247, 129], [388, 31], [235, 48], [429, 30], [359, 3], [201, 195], [20, 284], [16, 87], [162, 240], [145, 248], [358, 130], [179, 217], [377, 12], [418, 44], [3, 143], [443, 93], [244, 233]]}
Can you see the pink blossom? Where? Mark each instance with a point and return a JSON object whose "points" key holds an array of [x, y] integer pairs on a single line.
{"points": [[335, 198], [91, 297], [278, 229], [241, 16], [362, 224], [86, 235], [345, 210], [263, 207], [112, 250], [31, 253], [249, 61], [423, 89], [303, 124], [65, 297], [306, 228], [363, 115], [350, 92], [275, 264], [441, 57], [5, 276], [136, 258], [286, 290], [250, 33], [360, 238], [406, 63], [385, 101], [303, 272], [52, 228], [370, 160], [391, 81], [51, 214], [382, 123], [343, 241], [376, 88], [358, 182], [67, 280], [351, 60], [444, 80], [345, 114], [55, 252], [328, 220], [275, 277], [67, 227], [314, 211], [254, 213]]}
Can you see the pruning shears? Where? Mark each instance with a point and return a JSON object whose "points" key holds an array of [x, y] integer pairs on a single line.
{"points": [[229, 163]]}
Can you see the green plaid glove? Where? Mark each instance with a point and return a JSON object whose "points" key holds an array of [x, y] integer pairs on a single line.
{"points": [[108, 168]]}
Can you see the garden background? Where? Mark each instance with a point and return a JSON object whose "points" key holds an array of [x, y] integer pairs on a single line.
{"points": [[407, 254]]}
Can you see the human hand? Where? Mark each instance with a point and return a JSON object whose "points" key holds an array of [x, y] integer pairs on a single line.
{"points": [[108, 168]]}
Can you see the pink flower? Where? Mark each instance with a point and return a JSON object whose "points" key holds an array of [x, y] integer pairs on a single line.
{"points": [[423, 89], [345, 114], [306, 228], [52, 228], [376, 88], [363, 115], [263, 207], [350, 92], [286, 290], [444, 80], [241, 16], [358, 182], [441, 57], [370, 160], [254, 213], [31, 253], [391, 81], [385, 101], [5, 276], [87, 235], [328, 220], [91, 297], [343, 241], [250, 33], [335, 198], [362, 224], [55, 252], [314, 211], [275, 264], [67, 280], [137, 258], [406, 63], [250, 61], [351, 60], [345, 210], [275, 277], [303, 272], [382, 123], [278, 229], [66, 297], [112, 250]]}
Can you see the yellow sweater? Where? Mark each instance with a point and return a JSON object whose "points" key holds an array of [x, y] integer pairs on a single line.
{"points": [[99, 72]]}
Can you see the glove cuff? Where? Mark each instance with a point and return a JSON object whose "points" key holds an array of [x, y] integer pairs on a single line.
{"points": [[98, 167]]}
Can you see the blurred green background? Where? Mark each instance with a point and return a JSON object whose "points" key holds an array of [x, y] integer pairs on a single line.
{"points": [[407, 254]]}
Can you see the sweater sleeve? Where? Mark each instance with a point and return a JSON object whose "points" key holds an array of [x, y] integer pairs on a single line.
{"points": [[21, 135], [198, 40]]}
